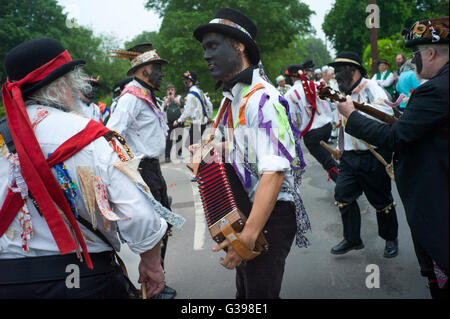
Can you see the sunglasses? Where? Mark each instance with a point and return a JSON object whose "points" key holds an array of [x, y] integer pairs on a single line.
{"points": [[416, 55]]}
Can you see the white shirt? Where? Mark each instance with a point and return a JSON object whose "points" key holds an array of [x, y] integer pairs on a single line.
{"points": [[300, 109], [193, 108], [263, 156], [137, 121], [91, 111], [371, 94], [384, 83], [142, 232]]}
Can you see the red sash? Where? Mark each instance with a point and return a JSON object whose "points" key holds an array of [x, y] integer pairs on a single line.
{"points": [[14, 202], [310, 93]]}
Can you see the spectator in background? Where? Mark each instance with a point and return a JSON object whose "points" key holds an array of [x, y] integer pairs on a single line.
{"points": [[317, 76], [173, 107], [385, 78], [400, 60], [282, 86], [407, 82]]}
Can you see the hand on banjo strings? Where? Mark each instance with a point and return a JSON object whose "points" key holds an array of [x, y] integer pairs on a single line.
{"points": [[347, 107]]}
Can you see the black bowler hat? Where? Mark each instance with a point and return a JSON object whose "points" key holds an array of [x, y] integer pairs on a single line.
{"points": [[348, 58], [433, 31], [236, 25], [308, 65], [292, 70], [32, 54], [190, 75]]}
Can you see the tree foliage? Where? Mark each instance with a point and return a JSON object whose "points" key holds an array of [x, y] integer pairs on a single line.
{"points": [[345, 24], [388, 49], [23, 20], [279, 23]]}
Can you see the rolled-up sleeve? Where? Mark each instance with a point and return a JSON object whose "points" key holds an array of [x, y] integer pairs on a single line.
{"points": [[144, 228], [275, 148]]}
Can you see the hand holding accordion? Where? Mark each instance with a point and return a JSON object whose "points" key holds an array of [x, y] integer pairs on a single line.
{"points": [[224, 201]]}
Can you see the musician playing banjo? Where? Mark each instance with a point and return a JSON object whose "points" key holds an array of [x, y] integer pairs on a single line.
{"points": [[269, 167], [420, 141], [360, 171]]}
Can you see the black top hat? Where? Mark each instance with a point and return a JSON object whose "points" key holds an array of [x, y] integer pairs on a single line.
{"points": [[434, 31], [348, 58], [292, 70], [308, 65], [190, 75], [32, 54], [236, 25]]}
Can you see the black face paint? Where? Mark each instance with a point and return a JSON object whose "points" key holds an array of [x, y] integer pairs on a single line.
{"points": [[224, 60], [156, 75], [344, 78]]}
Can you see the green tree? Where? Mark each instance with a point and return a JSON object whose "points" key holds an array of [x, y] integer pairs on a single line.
{"points": [[23, 20], [388, 49], [345, 24], [278, 22]]}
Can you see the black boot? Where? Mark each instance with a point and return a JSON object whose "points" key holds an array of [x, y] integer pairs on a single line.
{"points": [[345, 246], [391, 248]]}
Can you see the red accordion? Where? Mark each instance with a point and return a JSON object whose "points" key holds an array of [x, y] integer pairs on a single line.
{"points": [[225, 201]]}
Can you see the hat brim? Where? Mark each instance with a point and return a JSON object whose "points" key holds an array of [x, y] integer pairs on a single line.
{"points": [[157, 61], [27, 89], [361, 69], [232, 32]]}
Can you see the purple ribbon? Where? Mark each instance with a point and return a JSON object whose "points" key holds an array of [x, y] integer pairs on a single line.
{"points": [[285, 103]]}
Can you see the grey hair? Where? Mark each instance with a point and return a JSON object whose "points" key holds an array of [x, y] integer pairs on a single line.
{"points": [[442, 49], [54, 94]]}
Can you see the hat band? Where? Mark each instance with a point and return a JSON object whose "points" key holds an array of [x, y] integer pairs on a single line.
{"points": [[145, 57], [231, 24], [346, 60]]}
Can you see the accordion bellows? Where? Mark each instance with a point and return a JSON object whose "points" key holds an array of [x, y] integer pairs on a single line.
{"points": [[225, 202]]}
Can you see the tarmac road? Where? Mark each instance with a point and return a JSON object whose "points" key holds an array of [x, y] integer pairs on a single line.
{"points": [[311, 273]]}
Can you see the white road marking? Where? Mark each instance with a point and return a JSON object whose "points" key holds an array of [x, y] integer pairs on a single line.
{"points": [[199, 214]]}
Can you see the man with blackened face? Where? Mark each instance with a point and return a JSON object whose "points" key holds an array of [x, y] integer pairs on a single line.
{"points": [[138, 118], [420, 142], [359, 171], [268, 160]]}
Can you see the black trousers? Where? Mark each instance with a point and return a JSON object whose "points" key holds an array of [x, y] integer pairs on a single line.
{"points": [[151, 174], [46, 278], [169, 139], [150, 170], [312, 142], [362, 172], [262, 277], [195, 134]]}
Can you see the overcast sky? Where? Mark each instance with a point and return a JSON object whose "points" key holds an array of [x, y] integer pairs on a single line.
{"points": [[127, 18]]}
